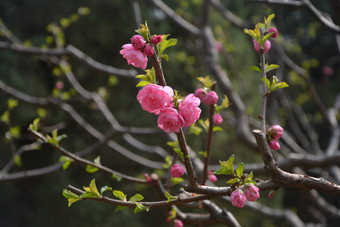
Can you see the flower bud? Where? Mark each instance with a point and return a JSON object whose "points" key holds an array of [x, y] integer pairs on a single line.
{"points": [[177, 170], [266, 46], [212, 178], [273, 144], [271, 194], [217, 119], [59, 85], [252, 193], [200, 93], [210, 99], [275, 132], [237, 198], [148, 50], [178, 223], [272, 29], [156, 39], [137, 41]]}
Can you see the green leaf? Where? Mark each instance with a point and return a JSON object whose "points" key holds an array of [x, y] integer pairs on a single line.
{"points": [[271, 67], [265, 38], [140, 207], [162, 46], [35, 125], [173, 144], [256, 68], [176, 180], [142, 83], [169, 197], [268, 20], [195, 129], [239, 170], [97, 160], [116, 177], [118, 208], [89, 195], [166, 57], [266, 81], [144, 31], [5, 117], [104, 189], [12, 103], [119, 195], [217, 128], [203, 153], [91, 169], [251, 33], [93, 187], [204, 124], [233, 181], [67, 161], [17, 160], [249, 178], [60, 137], [136, 198], [206, 81], [70, 196], [179, 152], [278, 86], [227, 167]]}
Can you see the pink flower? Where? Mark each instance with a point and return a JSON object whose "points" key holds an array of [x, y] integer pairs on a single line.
{"points": [[218, 46], [328, 71], [271, 194], [148, 50], [156, 39], [272, 29], [252, 193], [137, 41], [147, 177], [275, 132], [266, 46], [217, 119], [178, 223], [177, 170], [170, 120], [134, 57], [237, 198], [210, 99], [273, 144], [200, 93], [59, 85], [212, 178], [189, 109], [153, 98]]}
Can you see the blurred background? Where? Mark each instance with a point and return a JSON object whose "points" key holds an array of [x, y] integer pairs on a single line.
{"points": [[99, 29]]}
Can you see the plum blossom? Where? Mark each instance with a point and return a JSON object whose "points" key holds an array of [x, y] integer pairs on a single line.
{"points": [[153, 98], [189, 109], [178, 223], [273, 144], [200, 93], [156, 39], [170, 120], [272, 29], [133, 56], [177, 170], [275, 132], [266, 46], [238, 198], [252, 193], [138, 42], [210, 98], [148, 50], [217, 119]]}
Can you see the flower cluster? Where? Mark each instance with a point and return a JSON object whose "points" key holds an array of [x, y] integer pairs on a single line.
{"points": [[267, 44], [159, 100], [274, 133], [137, 51], [239, 197]]}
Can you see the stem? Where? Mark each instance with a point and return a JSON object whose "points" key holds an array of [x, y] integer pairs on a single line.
{"points": [[264, 90], [209, 140], [180, 135]]}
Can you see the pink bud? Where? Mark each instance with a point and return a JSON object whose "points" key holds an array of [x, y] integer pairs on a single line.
{"points": [[200, 93], [252, 193], [218, 46], [177, 170], [59, 85], [178, 223], [137, 41], [148, 50], [275, 132], [272, 29], [211, 98], [271, 194], [156, 39], [237, 198], [212, 178], [217, 119], [273, 144], [266, 46]]}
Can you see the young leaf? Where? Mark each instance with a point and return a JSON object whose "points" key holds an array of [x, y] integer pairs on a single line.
{"points": [[203, 153], [118, 208], [278, 86], [255, 68], [265, 38], [249, 178], [176, 180], [168, 162], [195, 129], [67, 161], [91, 169], [206, 81], [227, 167], [233, 181], [179, 152], [166, 43], [93, 187], [217, 128], [70, 196], [136, 198], [104, 189], [12, 103], [239, 170], [266, 81], [169, 197], [204, 124], [35, 125], [142, 83], [17, 160], [140, 207], [116, 177], [271, 67], [119, 195]]}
